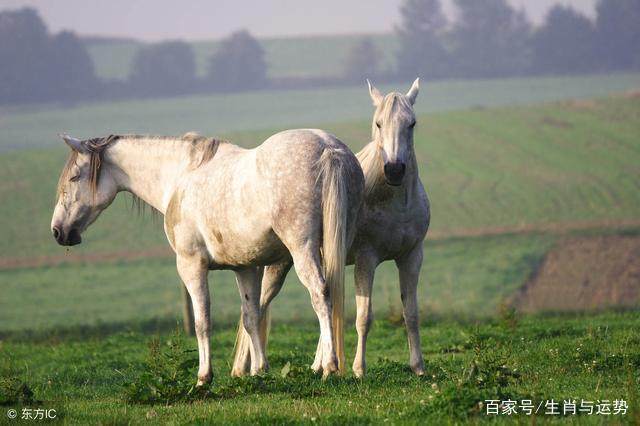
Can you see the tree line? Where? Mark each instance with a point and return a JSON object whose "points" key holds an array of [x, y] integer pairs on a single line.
{"points": [[488, 39]]}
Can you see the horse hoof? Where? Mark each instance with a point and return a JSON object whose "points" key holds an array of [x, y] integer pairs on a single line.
{"points": [[260, 370], [237, 372], [418, 370], [203, 379], [358, 372], [329, 369]]}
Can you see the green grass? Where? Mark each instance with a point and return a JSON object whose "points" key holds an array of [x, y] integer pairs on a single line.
{"points": [[89, 380], [466, 278], [223, 114], [78, 335], [518, 166], [315, 56]]}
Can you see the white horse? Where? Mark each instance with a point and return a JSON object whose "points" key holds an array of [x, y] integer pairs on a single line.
{"points": [[225, 207], [392, 226]]}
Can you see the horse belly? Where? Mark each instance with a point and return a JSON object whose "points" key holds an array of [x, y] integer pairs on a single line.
{"points": [[229, 250]]}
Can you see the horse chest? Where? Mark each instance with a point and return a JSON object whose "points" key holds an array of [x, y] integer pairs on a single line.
{"points": [[392, 233]]}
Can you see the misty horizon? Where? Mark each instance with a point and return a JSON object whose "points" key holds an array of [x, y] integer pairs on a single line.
{"points": [[199, 20]]}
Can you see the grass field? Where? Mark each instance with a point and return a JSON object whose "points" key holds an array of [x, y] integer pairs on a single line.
{"points": [[114, 379], [557, 163], [506, 184], [468, 278], [222, 115], [286, 57]]}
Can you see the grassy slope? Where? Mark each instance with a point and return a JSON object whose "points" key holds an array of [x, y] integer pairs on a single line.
{"points": [[464, 278], [553, 358], [277, 110], [286, 57], [482, 168], [560, 162]]}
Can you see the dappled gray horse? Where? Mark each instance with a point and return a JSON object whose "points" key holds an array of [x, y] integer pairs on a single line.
{"points": [[292, 198], [392, 226]]}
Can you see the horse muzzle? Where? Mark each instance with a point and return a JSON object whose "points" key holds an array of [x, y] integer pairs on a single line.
{"points": [[71, 238], [394, 173]]}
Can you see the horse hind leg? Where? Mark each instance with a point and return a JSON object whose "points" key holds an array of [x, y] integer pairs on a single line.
{"points": [[272, 281], [409, 269], [249, 287], [307, 265]]}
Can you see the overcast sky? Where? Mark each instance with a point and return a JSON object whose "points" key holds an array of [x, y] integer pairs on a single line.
{"points": [[207, 19]]}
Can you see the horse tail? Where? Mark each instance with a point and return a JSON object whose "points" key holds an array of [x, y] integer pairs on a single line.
{"points": [[242, 350], [334, 172]]}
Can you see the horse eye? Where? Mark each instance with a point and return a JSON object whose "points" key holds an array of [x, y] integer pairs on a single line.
{"points": [[412, 125], [378, 124], [74, 178]]}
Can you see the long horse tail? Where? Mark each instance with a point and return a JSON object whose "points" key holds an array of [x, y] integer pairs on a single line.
{"points": [[334, 173], [242, 349]]}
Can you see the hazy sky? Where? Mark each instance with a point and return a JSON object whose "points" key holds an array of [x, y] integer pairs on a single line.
{"points": [[206, 19]]}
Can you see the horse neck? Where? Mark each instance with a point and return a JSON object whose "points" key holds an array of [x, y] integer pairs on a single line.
{"points": [[376, 189], [148, 168]]}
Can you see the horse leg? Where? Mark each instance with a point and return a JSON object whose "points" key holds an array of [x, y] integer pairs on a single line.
{"points": [[193, 272], [409, 269], [249, 287], [365, 267], [272, 281], [307, 264]]}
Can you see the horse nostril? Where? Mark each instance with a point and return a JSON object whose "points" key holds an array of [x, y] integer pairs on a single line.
{"points": [[58, 234]]}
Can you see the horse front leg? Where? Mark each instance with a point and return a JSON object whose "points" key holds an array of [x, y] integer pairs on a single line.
{"points": [[365, 267], [249, 287], [409, 269], [193, 271]]}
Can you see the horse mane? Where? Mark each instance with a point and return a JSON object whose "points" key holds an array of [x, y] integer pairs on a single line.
{"points": [[202, 150], [370, 159]]}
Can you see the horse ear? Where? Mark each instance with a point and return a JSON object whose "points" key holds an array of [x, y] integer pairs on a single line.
{"points": [[74, 144], [412, 94], [375, 94]]}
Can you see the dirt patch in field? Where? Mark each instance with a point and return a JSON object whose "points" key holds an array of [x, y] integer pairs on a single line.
{"points": [[77, 259], [633, 94], [585, 274], [554, 122], [580, 104]]}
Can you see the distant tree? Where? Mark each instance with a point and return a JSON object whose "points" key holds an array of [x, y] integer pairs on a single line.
{"points": [[167, 68], [565, 43], [23, 53], [70, 68], [420, 33], [37, 67], [362, 61], [618, 33], [491, 39], [238, 64]]}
